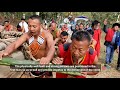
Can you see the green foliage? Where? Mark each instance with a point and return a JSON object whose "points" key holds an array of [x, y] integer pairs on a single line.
{"points": [[59, 16], [11, 61], [111, 16]]}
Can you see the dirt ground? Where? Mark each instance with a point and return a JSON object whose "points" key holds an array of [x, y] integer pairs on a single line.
{"points": [[111, 72]]}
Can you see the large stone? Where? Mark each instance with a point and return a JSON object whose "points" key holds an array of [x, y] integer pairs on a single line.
{"points": [[18, 55], [2, 46]]}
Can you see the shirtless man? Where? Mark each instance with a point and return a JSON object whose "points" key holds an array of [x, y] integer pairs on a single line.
{"points": [[62, 39], [8, 26], [54, 30], [40, 42]]}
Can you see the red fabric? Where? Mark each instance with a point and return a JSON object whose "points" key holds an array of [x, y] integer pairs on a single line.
{"points": [[7, 28], [97, 36], [89, 59], [109, 35], [61, 49], [60, 75], [19, 29], [60, 43]]}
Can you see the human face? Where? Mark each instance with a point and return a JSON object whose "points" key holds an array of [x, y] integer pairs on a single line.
{"points": [[116, 28], [87, 26], [81, 26], [77, 27], [62, 28], [63, 38], [34, 26], [53, 26], [97, 26], [65, 25], [6, 24], [22, 21], [79, 48]]}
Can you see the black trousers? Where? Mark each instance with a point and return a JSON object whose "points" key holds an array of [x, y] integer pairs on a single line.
{"points": [[118, 62]]}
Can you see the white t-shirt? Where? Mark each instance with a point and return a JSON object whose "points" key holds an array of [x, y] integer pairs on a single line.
{"points": [[25, 26]]}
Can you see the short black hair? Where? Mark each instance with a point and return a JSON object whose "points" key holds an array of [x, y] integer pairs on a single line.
{"points": [[95, 22], [81, 35], [22, 18], [18, 26], [116, 24], [90, 31], [81, 24], [76, 25], [6, 21], [35, 17], [64, 33]]}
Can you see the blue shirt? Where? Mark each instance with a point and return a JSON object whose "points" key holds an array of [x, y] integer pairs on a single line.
{"points": [[114, 37], [118, 40]]}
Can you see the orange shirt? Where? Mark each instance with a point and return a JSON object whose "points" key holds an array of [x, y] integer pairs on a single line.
{"points": [[8, 28]]}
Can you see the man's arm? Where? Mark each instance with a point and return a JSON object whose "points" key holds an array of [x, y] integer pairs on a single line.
{"points": [[56, 41], [105, 27], [58, 33], [50, 44], [13, 46], [95, 38], [51, 49], [117, 50], [118, 44], [57, 59]]}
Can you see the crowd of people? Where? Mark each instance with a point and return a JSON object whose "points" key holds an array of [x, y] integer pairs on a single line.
{"points": [[76, 46]]}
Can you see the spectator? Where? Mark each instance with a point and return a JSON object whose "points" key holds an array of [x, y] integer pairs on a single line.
{"points": [[81, 26], [111, 40], [8, 26], [62, 39], [19, 29], [96, 36], [24, 25]]}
